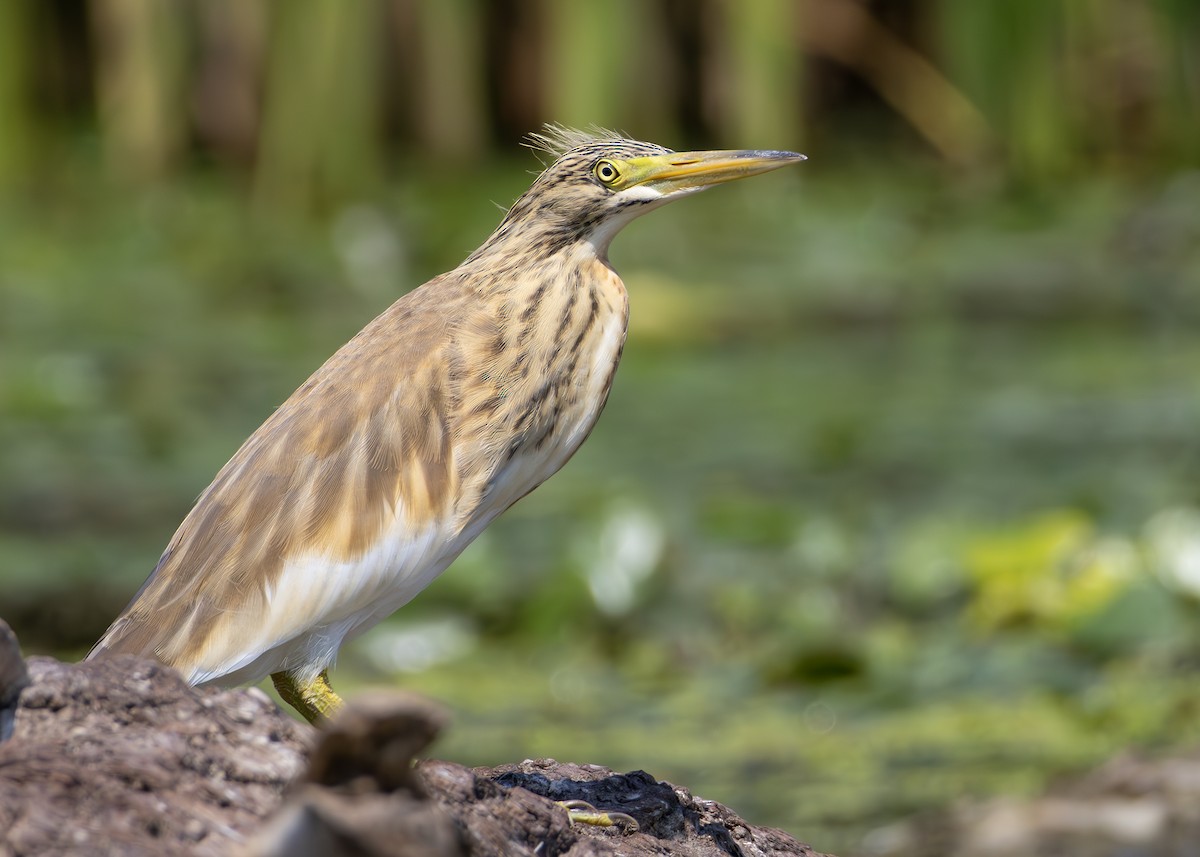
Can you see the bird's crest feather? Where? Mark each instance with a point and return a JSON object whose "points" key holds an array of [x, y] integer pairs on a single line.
{"points": [[556, 140]]}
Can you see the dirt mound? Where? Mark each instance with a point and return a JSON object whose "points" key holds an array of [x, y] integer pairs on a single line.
{"points": [[120, 756]]}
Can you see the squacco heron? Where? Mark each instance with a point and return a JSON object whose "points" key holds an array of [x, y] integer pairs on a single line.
{"points": [[461, 398]]}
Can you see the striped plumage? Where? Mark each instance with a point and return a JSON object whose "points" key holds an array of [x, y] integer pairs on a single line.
{"points": [[462, 397]]}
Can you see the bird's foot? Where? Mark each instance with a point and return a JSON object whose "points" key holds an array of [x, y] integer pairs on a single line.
{"points": [[582, 812], [316, 701]]}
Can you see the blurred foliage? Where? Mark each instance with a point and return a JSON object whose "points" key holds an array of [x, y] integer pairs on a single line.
{"points": [[308, 98], [1053, 572], [897, 496]]}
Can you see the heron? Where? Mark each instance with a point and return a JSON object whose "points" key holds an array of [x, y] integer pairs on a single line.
{"points": [[458, 400]]}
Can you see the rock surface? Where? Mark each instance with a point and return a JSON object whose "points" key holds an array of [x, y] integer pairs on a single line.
{"points": [[670, 820], [120, 756]]}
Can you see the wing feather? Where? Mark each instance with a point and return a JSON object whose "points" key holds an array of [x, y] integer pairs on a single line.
{"points": [[368, 434]]}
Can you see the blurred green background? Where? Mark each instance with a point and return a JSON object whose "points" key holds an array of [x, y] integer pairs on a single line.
{"points": [[897, 496]]}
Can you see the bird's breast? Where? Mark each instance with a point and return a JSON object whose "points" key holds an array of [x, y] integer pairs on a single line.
{"points": [[562, 345]]}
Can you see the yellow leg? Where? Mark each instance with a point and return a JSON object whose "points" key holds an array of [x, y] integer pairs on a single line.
{"points": [[582, 812], [316, 700]]}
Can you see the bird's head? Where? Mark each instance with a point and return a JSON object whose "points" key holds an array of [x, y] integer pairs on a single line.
{"points": [[599, 181]]}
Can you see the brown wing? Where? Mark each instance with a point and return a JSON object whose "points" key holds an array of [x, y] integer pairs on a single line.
{"points": [[367, 433]]}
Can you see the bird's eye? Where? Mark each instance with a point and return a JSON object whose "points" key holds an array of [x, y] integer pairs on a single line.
{"points": [[607, 172]]}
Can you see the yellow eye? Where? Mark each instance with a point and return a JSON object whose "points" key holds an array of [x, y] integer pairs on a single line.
{"points": [[607, 172]]}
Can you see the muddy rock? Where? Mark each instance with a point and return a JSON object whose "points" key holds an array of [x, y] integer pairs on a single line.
{"points": [[120, 756], [363, 796], [515, 809]]}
